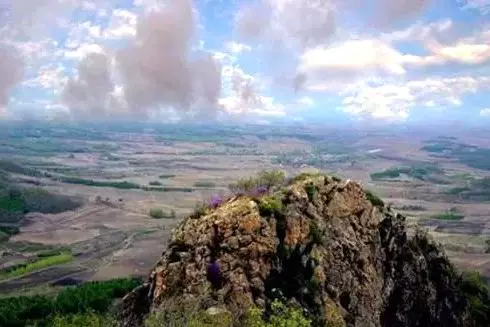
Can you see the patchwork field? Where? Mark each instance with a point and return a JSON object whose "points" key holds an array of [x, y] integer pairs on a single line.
{"points": [[101, 183]]}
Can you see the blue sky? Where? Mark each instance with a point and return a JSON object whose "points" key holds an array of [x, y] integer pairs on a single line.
{"points": [[259, 61]]}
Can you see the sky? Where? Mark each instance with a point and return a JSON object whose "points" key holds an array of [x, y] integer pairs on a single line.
{"points": [[246, 60]]}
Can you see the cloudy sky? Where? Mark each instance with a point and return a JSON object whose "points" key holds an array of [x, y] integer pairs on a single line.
{"points": [[245, 60]]}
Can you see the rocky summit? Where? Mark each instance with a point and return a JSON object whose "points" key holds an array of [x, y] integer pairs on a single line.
{"points": [[317, 242]]}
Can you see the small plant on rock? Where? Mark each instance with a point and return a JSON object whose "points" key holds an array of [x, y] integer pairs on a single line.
{"points": [[311, 191], [374, 199], [281, 315], [270, 205], [199, 211]]}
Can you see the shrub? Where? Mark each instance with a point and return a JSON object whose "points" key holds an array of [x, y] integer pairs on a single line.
{"points": [[158, 213], [305, 175], [311, 191], [74, 306], [204, 184], [265, 179], [374, 199], [269, 206], [316, 235], [281, 315], [167, 176], [477, 292], [9, 230], [154, 183], [89, 319], [271, 178], [199, 211]]}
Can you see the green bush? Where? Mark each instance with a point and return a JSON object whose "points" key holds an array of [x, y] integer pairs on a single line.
{"points": [[158, 213], [311, 191], [281, 315], [204, 184], [72, 305], [265, 178], [89, 319], [374, 199], [199, 210], [270, 205], [9, 230], [475, 289]]}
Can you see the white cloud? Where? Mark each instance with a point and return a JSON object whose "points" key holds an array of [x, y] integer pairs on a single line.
{"points": [[395, 100], [330, 68], [481, 5], [82, 51], [462, 52], [419, 31], [485, 112], [242, 96], [49, 77], [122, 24], [237, 48]]}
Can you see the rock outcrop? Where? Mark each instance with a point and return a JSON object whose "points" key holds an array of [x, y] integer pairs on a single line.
{"points": [[318, 242]]}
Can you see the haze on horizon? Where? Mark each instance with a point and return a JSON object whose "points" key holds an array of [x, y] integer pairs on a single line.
{"points": [[380, 61]]}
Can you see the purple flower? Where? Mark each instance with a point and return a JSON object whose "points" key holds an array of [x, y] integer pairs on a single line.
{"points": [[213, 274], [215, 201], [262, 190]]}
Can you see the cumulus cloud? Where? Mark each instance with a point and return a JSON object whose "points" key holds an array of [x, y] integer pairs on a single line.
{"points": [[395, 100], [288, 22], [307, 23], [334, 67], [11, 71], [157, 70], [244, 96], [89, 94], [485, 112], [121, 24]]}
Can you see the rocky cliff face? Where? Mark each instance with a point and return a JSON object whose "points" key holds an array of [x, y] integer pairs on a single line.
{"points": [[318, 242]]}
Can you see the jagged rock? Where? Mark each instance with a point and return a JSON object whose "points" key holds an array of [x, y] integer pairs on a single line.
{"points": [[344, 260]]}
